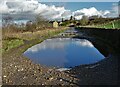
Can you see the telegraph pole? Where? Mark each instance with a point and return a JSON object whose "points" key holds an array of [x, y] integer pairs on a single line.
{"points": [[119, 9]]}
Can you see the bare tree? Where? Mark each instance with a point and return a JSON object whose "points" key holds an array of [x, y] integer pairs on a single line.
{"points": [[6, 21], [42, 22]]}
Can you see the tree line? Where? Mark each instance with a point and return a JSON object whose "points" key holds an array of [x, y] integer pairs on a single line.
{"points": [[38, 24], [93, 20]]}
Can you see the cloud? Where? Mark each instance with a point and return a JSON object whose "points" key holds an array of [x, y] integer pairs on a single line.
{"points": [[114, 11], [28, 9], [90, 12], [16, 6]]}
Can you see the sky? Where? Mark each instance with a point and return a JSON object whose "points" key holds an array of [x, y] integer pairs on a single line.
{"points": [[28, 9], [79, 0]]}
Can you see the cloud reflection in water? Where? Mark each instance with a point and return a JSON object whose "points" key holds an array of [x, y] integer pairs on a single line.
{"points": [[64, 52]]}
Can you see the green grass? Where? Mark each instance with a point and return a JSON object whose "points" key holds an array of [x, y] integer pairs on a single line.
{"points": [[9, 44], [110, 25]]}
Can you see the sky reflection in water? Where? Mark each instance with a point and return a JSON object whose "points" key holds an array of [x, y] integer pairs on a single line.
{"points": [[64, 52]]}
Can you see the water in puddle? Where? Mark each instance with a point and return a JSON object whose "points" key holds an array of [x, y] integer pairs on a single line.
{"points": [[64, 52]]}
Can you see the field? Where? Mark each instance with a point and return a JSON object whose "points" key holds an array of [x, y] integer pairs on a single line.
{"points": [[111, 25]]}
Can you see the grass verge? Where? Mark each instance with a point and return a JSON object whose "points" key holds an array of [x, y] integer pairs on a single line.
{"points": [[9, 44], [28, 39]]}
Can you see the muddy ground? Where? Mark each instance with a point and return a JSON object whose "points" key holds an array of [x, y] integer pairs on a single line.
{"points": [[18, 70]]}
